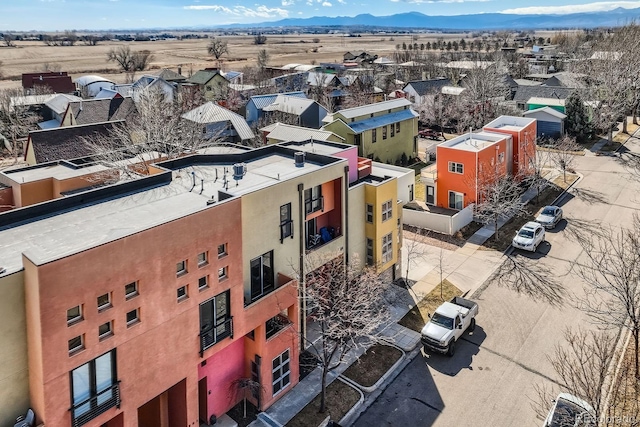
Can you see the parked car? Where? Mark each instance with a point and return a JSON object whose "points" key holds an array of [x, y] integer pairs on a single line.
{"points": [[429, 133], [550, 216], [447, 325], [570, 411], [529, 237]]}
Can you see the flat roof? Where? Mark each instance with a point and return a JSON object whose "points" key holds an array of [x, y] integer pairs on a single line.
{"points": [[327, 148], [60, 170], [55, 235], [510, 123], [475, 141]]}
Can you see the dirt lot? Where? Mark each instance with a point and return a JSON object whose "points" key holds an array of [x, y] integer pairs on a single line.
{"points": [[191, 55]]}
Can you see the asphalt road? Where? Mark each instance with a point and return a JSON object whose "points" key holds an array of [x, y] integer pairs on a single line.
{"points": [[490, 380]]}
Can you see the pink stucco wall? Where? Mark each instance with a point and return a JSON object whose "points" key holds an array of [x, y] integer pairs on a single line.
{"points": [[351, 154], [221, 370]]}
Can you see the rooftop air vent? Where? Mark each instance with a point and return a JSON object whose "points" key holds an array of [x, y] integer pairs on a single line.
{"points": [[299, 159], [211, 201], [239, 170]]}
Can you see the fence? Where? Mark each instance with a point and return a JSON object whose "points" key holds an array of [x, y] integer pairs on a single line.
{"points": [[441, 223]]}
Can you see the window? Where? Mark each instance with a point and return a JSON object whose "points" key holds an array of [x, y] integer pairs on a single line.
{"points": [[286, 225], [276, 324], [387, 210], [104, 301], [398, 127], [133, 317], [373, 135], [369, 213], [181, 268], [456, 200], [262, 278], [313, 200], [222, 250], [456, 167], [357, 139], [281, 372], [74, 315], [369, 251], [501, 157], [131, 290], [215, 320], [94, 388], [222, 273], [387, 248], [76, 344], [182, 293], [203, 259], [384, 132], [105, 330], [203, 283], [392, 129]]}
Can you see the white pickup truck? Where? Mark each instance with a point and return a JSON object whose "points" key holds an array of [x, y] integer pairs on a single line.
{"points": [[447, 325]]}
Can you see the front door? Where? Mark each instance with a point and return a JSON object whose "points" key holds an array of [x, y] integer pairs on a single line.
{"points": [[202, 400], [431, 195]]}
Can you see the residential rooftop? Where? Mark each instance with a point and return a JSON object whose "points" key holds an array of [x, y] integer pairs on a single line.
{"points": [[363, 110], [509, 123], [62, 227], [326, 148], [474, 141]]}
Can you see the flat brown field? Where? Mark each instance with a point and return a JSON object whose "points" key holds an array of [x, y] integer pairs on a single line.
{"points": [[191, 55]]}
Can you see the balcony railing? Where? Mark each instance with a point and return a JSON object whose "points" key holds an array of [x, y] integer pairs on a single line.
{"points": [[215, 334], [85, 411]]}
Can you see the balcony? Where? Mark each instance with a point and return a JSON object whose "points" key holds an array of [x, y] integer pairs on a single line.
{"points": [[94, 406], [429, 174], [215, 334]]}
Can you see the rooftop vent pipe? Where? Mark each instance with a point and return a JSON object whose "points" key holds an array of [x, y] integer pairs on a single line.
{"points": [[298, 158], [239, 170]]}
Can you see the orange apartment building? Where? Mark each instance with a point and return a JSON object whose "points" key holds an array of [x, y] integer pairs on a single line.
{"points": [[504, 147], [143, 301]]}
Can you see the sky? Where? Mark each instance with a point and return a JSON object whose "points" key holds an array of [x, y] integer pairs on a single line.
{"points": [[60, 15]]}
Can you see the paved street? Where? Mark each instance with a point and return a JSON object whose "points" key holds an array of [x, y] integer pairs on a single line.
{"points": [[490, 380]]}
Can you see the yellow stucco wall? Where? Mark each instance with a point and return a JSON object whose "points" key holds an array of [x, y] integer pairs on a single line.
{"points": [[14, 374], [261, 222], [376, 195]]}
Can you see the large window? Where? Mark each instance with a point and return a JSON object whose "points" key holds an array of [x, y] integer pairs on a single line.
{"points": [[456, 167], [384, 132], [286, 224], [94, 388], [374, 135], [281, 372], [456, 200], [387, 210], [262, 280], [369, 251], [392, 128], [387, 248], [313, 200], [215, 320]]}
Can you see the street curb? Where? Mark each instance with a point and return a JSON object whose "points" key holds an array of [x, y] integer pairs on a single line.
{"points": [[624, 347], [371, 398], [566, 190], [371, 389], [633, 135], [348, 418]]}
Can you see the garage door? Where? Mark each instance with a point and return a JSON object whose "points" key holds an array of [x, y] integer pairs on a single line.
{"points": [[549, 129]]}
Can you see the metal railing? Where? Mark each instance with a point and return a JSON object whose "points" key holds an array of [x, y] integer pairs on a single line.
{"points": [[214, 334], [85, 411]]}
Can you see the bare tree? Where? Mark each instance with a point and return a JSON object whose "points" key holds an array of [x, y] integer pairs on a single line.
{"points": [[612, 277], [217, 47], [263, 59], [583, 367], [537, 166], [498, 195], [156, 132], [247, 387], [349, 308], [16, 120], [8, 40], [415, 251], [259, 38], [130, 61], [563, 154]]}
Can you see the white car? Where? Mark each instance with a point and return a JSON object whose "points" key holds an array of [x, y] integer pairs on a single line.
{"points": [[529, 237], [550, 216], [570, 411]]}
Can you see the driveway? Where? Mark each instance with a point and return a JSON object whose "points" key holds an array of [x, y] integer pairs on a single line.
{"points": [[490, 381]]}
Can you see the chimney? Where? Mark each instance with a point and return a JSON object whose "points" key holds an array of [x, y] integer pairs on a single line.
{"points": [[424, 75]]}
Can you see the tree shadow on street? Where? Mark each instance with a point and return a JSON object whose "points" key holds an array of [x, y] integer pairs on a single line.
{"points": [[467, 346]]}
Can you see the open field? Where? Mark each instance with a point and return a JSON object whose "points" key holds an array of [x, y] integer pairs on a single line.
{"points": [[191, 55]]}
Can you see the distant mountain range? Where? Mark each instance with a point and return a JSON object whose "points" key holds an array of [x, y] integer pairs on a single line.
{"points": [[488, 21]]}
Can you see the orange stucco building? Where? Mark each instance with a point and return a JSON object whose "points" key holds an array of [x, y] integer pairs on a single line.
{"points": [[146, 301], [505, 147]]}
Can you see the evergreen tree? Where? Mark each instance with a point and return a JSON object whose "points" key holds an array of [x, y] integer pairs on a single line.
{"points": [[578, 123]]}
